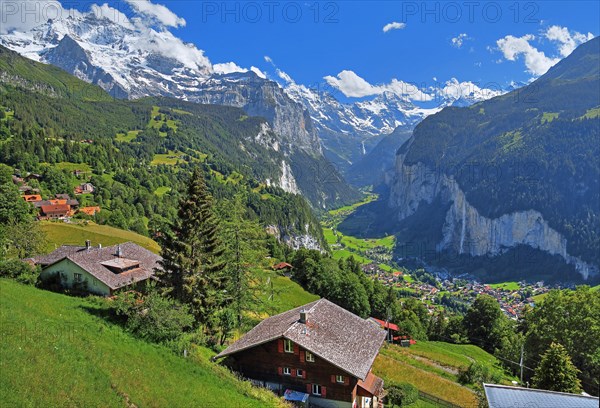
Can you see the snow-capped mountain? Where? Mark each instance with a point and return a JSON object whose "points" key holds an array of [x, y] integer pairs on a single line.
{"points": [[126, 60], [350, 131], [131, 60]]}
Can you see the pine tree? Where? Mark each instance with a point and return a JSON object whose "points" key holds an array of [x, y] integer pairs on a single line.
{"points": [[556, 372], [192, 267], [245, 250]]}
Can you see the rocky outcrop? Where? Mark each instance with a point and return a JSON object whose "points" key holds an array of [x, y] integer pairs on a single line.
{"points": [[465, 230], [295, 241]]}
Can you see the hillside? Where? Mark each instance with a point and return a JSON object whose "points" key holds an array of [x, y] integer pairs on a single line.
{"points": [[138, 154], [58, 351], [433, 368], [73, 234], [518, 173]]}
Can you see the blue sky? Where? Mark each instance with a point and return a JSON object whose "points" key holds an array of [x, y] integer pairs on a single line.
{"points": [[426, 41], [353, 38]]}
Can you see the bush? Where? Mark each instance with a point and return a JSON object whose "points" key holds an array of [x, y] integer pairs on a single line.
{"points": [[476, 374], [20, 271], [402, 394], [153, 317]]}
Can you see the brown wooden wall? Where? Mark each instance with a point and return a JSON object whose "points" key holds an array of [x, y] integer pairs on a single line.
{"points": [[263, 362]]}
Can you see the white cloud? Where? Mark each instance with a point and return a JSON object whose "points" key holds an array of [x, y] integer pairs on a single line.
{"points": [[393, 26], [228, 68], [536, 62], [459, 40], [157, 12], [567, 41], [352, 85], [23, 16], [231, 67], [268, 59]]}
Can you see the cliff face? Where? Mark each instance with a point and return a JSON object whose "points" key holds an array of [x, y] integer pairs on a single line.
{"points": [[465, 230]]}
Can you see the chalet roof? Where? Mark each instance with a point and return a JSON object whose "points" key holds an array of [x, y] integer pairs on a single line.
{"points": [[91, 260], [372, 384], [58, 208], [331, 333], [501, 396]]}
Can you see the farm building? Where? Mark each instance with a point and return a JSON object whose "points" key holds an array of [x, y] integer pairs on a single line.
{"points": [[99, 270], [318, 349]]}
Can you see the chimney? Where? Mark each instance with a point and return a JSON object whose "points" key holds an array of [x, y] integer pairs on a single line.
{"points": [[118, 251], [88, 244], [303, 316]]}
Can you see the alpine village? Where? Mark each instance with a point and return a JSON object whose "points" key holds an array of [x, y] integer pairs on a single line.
{"points": [[177, 232]]}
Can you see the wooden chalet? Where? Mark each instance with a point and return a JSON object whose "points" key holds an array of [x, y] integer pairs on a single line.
{"points": [[318, 349]]}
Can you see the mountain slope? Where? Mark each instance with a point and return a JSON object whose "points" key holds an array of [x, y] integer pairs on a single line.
{"points": [[48, 126], [59, 351], [521, 169], [130, 61]]}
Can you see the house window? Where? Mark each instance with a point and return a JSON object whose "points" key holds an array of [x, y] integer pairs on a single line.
{"points": [[299, 373], [316, 389], [287, 371], [310, 357], [339, 379], [77, 277], [288, 346]]}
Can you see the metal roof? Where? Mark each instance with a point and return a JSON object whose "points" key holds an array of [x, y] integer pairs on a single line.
{"points": [[503, 396]]}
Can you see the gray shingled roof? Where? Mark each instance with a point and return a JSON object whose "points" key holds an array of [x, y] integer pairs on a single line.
{"points": [[91, 261], [502, 396], [331, 333]]}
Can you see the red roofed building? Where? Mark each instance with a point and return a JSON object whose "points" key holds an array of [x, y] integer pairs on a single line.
{"points": [[54, 212], [32, 198], [90, 210], [281, 266]]}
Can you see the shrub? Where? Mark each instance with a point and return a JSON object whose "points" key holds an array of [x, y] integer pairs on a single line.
{"points": [[476, 373], [153, 317], [402, 394], [20, 271]]}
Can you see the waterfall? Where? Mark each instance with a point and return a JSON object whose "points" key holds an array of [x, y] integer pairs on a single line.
{"points": [[464, 226], [363, 146]]}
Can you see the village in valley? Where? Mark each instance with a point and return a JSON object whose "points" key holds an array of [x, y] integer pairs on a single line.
{"points": [[459, 292]]}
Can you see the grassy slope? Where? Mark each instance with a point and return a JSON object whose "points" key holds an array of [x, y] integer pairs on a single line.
{"points": [[56, 352], [62, 233], [432, 367]]}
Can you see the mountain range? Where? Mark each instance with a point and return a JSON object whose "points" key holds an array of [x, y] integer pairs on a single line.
{"points": [[129, 61], [508, 187]]}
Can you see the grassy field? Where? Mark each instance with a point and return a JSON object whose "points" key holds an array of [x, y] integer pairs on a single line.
{"points": [[169, 159], [395, 370], [156, 124], [511, 286], [56, 351], [76, 234], [433, 366], [127, 138], [73, 166], [284, 294]]}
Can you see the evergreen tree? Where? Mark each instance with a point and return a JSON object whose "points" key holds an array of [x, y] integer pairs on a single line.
{"points": [[556, 372], [245, 250], [192, 267]]}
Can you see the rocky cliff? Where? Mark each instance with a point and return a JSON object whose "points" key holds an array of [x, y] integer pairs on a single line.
{"points": [[465, 230]]}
